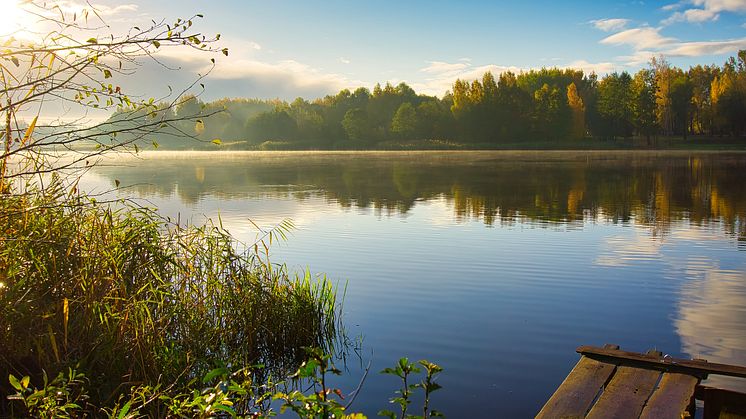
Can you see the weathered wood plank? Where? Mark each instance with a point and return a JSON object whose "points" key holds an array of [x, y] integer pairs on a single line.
{"points": [[685, 366], [575, 395], [721, 404], [626, 393], [671, 398]]}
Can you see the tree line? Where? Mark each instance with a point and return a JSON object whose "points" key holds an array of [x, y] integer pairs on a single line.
{"points": [[542, 106]]}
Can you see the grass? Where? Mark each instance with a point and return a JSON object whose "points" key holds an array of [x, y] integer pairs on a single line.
{"points": [[130, 300]]}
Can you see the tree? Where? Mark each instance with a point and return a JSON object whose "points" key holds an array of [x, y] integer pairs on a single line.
{"points": [[274, 125], [615, 105], [65, 65], [577, 107], [664, 76], [355, 123], [404, 122], [644, 106]]}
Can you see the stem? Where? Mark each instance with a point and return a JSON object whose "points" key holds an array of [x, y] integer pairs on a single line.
{"points": [[8, 140]]}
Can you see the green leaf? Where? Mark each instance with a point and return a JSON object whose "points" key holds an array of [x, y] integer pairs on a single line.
{"points": [[125, 410], [214, 373], [225, 51], [226, 409], [387, 413], [107, 74], [24, 381], [157, 44], [14, 382], [92, 41], [217, 141]]}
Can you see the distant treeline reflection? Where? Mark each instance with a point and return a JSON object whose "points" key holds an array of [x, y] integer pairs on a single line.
{"points": [[652, 189]]}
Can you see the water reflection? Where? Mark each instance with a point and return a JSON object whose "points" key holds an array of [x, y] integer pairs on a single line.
{"points": [[712, 320], [654, 189], [496, 265]]}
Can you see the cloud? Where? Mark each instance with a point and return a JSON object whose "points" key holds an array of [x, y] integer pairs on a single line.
{"points": [[441, 74], [253, 45], [639, 38], [598, 68], [284, 79], [692, 16], [610, 25], [696, 49], [344, 60], [704, 11], [70, 6]]}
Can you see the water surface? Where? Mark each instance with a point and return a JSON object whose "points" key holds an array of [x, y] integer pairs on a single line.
{"points": [[496, 265]]}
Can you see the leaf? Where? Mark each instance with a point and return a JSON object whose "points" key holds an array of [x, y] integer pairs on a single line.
{"points": [[156, 44], [226, 409], [29, 130], [15, 61], [125, 409], [92, 41], [14, 382], [117, 182], [225, 51], [217, 141], [214, 373], [24, 381], [107, 74], [387, 413]]}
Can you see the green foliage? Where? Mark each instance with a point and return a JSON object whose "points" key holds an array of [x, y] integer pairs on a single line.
{"points": [[123, 293], [403, 370], [63, 397]]}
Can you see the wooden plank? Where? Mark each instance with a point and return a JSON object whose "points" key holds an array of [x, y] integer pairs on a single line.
{"points": [[684, 366], [671, 398], [720, 403], [575, 395], [626, 393]]}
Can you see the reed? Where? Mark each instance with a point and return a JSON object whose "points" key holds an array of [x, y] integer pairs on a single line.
{"points": [[130, 299]]}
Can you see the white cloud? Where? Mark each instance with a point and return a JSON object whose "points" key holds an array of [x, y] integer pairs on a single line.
{"points": [[669, 7], [692, 16], [704, 11], [610, 25], [696, 49], [76, 7], [638, 58], [441, 75], [344, 60], [253, 45], [639, 38], [588, 67]]}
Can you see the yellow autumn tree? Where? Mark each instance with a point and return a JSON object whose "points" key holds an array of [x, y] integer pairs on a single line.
{"points": [[577, 107]]}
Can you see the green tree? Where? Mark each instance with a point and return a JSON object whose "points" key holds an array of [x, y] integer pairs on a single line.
{"points": [[404, 123], [615, 103], [643, 109], [355, 123]]}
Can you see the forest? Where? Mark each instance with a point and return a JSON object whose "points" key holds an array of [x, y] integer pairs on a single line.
{"points": [[544, 106]]}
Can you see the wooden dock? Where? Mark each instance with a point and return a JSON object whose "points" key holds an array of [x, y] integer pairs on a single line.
{"points": [[611, 383]]}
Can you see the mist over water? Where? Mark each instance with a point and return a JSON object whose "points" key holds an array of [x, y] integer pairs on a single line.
{"points": [[495, 265]]}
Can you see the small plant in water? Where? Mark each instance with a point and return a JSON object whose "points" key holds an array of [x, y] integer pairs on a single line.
{"points": [[320, 403], [404, 369]]}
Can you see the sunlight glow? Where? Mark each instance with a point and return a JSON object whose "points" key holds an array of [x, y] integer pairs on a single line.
{"points": [[12, 17]]}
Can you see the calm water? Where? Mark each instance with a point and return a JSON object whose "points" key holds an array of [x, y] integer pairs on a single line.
{"points": [[496, 265]]}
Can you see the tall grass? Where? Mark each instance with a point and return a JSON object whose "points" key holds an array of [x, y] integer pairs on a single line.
{"points": [[130, 299]]}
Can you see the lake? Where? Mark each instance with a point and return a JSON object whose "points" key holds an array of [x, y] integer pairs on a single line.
{"points": [[495, 265]]}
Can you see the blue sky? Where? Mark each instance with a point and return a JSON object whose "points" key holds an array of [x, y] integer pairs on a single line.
{"points": [[285, 49]]}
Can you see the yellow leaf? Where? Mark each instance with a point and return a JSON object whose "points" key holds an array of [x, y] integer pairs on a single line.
{"points": [[29, 130]]}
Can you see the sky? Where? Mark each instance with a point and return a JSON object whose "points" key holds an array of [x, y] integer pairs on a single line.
{"points": [[285, 49]]}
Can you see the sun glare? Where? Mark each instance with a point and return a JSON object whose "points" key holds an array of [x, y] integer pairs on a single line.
{"points": [[12, 17]]}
